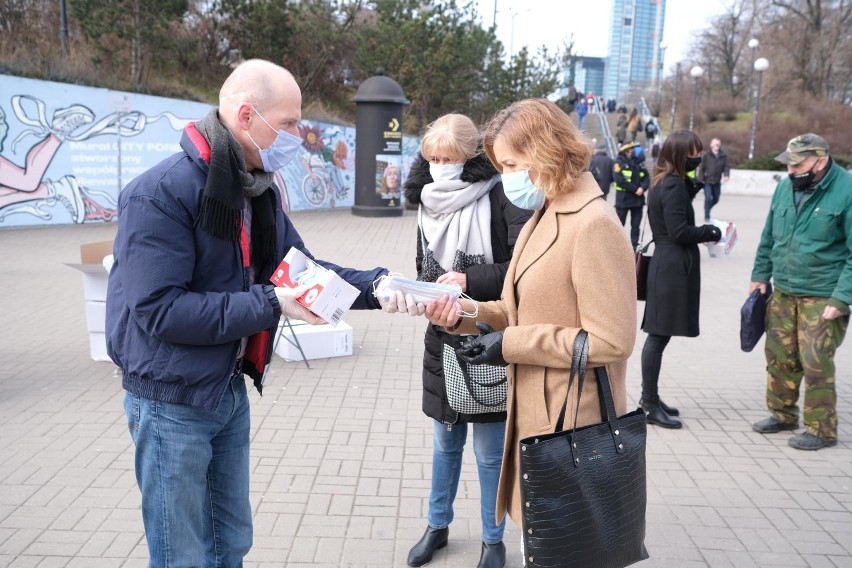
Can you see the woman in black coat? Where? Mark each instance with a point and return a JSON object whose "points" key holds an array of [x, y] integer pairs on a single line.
{"points": [[674, 275], [465, 236]]}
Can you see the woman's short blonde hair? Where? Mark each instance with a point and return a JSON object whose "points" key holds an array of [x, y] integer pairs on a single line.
{"points": [[541, 132], [453, 133]]}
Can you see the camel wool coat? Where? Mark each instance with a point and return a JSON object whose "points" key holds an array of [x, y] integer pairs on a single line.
{"points": [[572, 268]]}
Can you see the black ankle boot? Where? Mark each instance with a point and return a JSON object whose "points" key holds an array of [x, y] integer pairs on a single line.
{"points": [[670, 410], [432, 540], [493, 556], [654, 414]]}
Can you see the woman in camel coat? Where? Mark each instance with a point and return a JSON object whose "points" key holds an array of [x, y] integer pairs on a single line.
{"points": [[572, 268]]}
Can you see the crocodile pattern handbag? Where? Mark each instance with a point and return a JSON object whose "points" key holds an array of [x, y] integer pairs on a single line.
{"points": [[583, 489]]}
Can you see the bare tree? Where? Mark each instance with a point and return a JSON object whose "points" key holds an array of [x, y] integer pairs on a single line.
{"points": [[818, 39], [720, 47]]}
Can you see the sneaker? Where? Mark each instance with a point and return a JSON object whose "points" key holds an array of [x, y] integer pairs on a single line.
{"points": [[67, 120], [66, 191], [807, 441], [772, 425]]}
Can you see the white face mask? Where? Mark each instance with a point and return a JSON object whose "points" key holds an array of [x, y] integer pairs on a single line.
{"points": [[282, 150], [445, 172]]}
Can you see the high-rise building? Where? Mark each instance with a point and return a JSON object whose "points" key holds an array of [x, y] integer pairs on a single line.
{"points": [[634, 46], [589, 75]]}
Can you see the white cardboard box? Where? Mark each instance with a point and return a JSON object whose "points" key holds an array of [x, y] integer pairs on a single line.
{"points": [[95, 276], [96, 316], [95, 279], [317, 341], [726, 243], [97, 346], [329, 296]]}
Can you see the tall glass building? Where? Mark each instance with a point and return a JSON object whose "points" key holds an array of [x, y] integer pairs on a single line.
{"points": [[589, 75], [634, 46]]}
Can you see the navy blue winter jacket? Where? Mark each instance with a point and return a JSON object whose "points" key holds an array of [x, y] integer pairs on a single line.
{"points": [[179, 299]]}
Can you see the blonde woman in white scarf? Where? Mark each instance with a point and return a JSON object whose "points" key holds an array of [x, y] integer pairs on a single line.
{"points": [[466, 232]]}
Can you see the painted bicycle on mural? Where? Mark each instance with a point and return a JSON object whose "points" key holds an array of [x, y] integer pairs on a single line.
{"points": [[319, 185]]}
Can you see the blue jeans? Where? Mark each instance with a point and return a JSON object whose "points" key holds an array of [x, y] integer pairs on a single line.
{"points": [[448, 446], [712, 191], [581, 120], [192, 467]]}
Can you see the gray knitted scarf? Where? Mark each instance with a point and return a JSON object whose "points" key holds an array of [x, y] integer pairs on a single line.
{"points": [[227, 187]]}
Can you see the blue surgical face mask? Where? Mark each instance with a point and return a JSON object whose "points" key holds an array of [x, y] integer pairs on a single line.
{"points": [[445, 172], [521, 191], [282, 150]]}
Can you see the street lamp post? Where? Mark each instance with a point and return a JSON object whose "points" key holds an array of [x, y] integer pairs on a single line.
{"points": [[674, 96], [696, 73], [512, 34], [760, 66], [663, 46], [752, 45], [63, 26]]}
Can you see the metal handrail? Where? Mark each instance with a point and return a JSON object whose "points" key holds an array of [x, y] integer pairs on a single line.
{"points": [[609, 140]]}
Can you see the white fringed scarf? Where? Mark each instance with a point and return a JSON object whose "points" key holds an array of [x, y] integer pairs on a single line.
{"points": [[455, 224]]}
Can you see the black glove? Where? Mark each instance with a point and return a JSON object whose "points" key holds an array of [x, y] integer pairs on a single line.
{"points": [[717, 234], [486, 349]]}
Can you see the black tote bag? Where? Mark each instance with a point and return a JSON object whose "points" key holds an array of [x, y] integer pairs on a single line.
{"points": [[583, 489]]}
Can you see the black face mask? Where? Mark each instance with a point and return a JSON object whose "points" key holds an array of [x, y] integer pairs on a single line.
{"points": [[692, 163], [804, 181]]}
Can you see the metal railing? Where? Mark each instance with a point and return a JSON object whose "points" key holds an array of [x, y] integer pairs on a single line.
{"points": [[609, 140]]}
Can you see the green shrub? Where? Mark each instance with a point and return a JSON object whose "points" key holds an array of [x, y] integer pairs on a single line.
{"points": [[764, 162], [844, 161]]}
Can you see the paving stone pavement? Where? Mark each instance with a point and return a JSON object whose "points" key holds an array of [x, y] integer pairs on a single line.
{"points": [[341, 452]]}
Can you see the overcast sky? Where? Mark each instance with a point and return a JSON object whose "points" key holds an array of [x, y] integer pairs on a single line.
{"points": [[548, 22]]}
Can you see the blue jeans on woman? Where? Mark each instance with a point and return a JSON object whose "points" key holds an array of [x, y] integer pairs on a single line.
{"points": [[192, 467], [448, 446]]}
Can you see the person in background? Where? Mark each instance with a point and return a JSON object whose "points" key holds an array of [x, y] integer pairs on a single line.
{"points": [[651, 130], [190, 311], [572, 269], [621, 127], [582, 108], [634, 124], [674, 275], [601, 168], [466, 232], [655, 148], [713, 171], [806, 250], [631, 182]]}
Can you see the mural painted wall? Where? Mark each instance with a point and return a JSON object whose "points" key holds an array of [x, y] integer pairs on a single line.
{"points": [[67, 150]]}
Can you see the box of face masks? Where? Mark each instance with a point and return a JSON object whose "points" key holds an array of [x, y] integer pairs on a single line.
{"points": [[316, 341], [329, 296], [723, 246]]}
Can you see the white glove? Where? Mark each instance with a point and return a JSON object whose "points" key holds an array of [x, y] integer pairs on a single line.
{"points": [[402, 303], [291, 307]]}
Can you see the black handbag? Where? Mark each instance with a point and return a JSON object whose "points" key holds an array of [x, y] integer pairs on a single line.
{"points": [[753, 318], [643, 262], [583, 490]]}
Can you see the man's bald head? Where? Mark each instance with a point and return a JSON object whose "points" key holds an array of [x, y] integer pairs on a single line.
{"points": [[259, 83], [259, 88]]}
